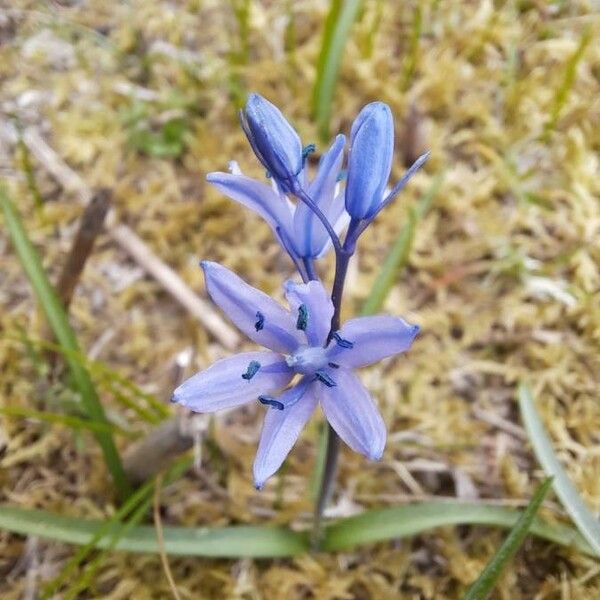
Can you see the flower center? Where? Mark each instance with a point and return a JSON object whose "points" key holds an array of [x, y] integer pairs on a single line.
{"points": [[307, 359]]}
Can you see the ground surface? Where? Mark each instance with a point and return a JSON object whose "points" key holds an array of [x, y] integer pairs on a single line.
{"points": [[504, 277]]}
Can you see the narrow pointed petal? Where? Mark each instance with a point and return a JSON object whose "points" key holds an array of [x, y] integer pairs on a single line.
{"points": [[274, 141], [351, 411], [222, 385], [340, 217], [318, 308], [281, 429], [254, 313], [310, 234], [400, 185], [256, 196], [372, 339], [370, 160]]}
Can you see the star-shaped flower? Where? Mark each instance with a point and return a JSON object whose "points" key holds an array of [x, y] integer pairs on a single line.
{"points": [[298, 350]]}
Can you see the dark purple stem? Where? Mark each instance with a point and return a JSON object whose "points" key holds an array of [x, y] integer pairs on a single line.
{"points": [[333, 441], [326, 483], [341, 269]]}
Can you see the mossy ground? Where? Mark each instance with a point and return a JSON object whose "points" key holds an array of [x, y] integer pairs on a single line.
{"points": [[504, 276]]}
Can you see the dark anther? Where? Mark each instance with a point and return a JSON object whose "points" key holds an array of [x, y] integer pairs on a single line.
{"points": [[260, 321], [270, 401], [253, 367], [340, 341], [306, 151], [333, 365], [324, 378], [342, 175], [309, 149], [302, 321]]}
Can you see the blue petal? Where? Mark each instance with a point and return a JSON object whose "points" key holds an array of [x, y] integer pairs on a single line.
{"points": [[352, 413], [318, 306], [372, 339], [281, 429], [274, 141], [370, 160], [258, 197], [399, 186], [257, 315], [311, 236], [222, 385]]}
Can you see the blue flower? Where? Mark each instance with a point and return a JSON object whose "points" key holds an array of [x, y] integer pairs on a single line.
{"points": [[274, 141], [297, 354], [294, 224], [370, 159], [370, 162]]}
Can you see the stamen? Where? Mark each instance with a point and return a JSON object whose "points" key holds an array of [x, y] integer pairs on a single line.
{"points": [[253, 367], [309, 149], [270, 401], [342, 175], [324, 378], [260, 321], [340, 341], [302, 321], [333, 365]]}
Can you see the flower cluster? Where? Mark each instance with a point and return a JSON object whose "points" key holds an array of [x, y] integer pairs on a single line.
{"points": [[310, 359]]}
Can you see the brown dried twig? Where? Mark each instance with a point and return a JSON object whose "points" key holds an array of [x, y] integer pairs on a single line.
{"points": [[90, 226]]}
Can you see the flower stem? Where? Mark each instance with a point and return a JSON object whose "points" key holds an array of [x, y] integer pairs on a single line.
{"points": [[337, 291], [326, 483], [333, 440]]}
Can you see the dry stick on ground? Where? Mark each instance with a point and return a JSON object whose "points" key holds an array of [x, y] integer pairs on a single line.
{"points": [[90, 226], [129, 241], [148, 456]]}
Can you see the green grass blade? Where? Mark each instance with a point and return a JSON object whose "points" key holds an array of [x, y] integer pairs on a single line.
{"points": [[109, 379], [405, 521], [488, 578], [66, 420], [400, 252], [585, 521], [412, 54], [222, 542], [57, 318], [562, 93], [272, 542], [340, 19]]}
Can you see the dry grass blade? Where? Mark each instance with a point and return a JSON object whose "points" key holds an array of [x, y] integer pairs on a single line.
{"points": [[160, 539]]}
